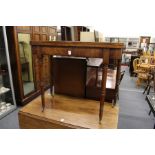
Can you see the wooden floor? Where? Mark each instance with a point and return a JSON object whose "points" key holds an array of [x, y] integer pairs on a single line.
{"points": [[67, 112]]}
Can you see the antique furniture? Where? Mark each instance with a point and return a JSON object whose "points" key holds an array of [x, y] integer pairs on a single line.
{"points": [[146, 67], [69, 76], [93, 85], [143, 68], [131, 68], [23, 64], [78, 49], [135, 66], [81, 77], [66, 33], [7, 98], [94, 78], [93, 64], [151, 81]]}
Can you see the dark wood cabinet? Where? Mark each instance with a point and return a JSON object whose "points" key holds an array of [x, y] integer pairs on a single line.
{"points": [[70, 76], [82, 78], [19, 38], [66, 33]]}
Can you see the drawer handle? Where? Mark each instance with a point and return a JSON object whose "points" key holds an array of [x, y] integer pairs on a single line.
{"points": [[69, 52]]}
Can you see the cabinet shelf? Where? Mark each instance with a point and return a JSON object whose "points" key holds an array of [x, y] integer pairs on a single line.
{"points": [[3, 72], [7, 110], [4, 90]]}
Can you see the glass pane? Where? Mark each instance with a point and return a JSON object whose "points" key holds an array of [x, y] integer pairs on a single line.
{"points": [[6, 96], [26, 62]]}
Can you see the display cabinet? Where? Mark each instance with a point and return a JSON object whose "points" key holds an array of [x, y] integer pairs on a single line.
{"points": [[24, 63], [7, 99]]}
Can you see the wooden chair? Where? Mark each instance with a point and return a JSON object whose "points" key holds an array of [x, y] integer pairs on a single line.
{"points": [[141, 74], [142, 77], [135, 67], [150, 83]]}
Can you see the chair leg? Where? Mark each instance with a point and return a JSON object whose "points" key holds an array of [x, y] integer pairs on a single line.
{"points": [[148, 92], [145, 89], [114, 102], [138, 82], [118, 96], [150, 112]]}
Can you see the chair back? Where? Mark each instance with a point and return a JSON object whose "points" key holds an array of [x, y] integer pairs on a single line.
{"points": [[145, 59], [135, 63]]}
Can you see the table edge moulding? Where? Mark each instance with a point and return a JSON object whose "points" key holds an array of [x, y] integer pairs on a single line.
{"points": [[102, 50]]}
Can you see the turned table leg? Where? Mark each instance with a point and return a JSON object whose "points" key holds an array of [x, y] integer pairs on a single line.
{"points": [[42, 97], [103, 91], [50, 71], [103, 84], [41, 82], [52, 77]]}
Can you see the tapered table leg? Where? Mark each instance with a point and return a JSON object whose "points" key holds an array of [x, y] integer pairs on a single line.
{"points": [[41, 82], [103, 91], [103, 84], [42, 97], [52, 78]]}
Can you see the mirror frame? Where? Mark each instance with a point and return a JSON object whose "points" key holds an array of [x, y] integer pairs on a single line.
{"points": [[31, 71], [28, 97]]}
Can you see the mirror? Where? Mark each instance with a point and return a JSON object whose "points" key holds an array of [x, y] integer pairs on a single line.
{"points": [[26, 62]]}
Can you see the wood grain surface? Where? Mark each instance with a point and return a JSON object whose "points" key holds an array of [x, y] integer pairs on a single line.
{"points": [[67, 112]]}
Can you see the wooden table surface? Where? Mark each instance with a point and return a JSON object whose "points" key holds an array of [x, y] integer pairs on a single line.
{"points": [[67, 112]]}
